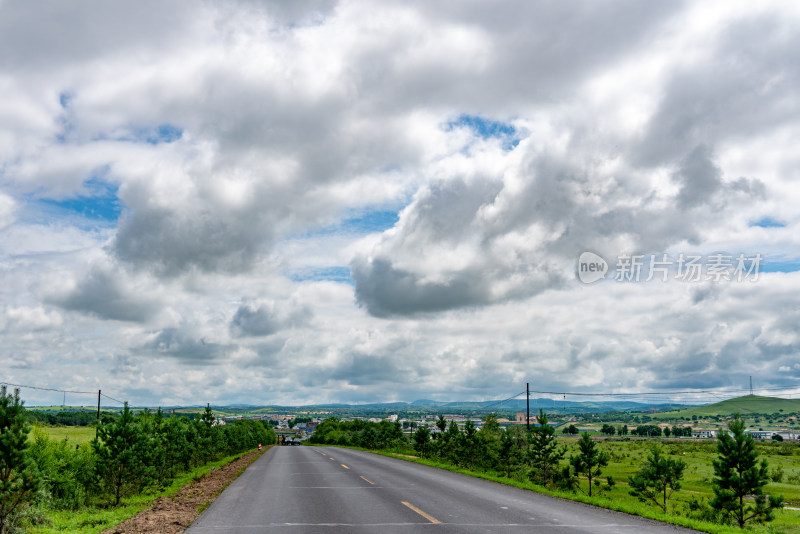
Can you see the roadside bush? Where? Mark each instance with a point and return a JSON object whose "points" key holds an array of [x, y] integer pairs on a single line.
{"points": [[776, 475], [66, 471]]}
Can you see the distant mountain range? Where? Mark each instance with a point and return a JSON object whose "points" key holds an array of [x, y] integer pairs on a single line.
{"points": [[465, 407], [745, 405]]}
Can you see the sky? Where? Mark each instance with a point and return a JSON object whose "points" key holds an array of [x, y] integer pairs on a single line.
{"points": [[313, 202]]}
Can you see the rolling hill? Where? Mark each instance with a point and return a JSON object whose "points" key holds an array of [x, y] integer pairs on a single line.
{"points": [[748, 404]]}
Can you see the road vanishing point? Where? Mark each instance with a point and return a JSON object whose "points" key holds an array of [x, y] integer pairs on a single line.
{"points": [[327, 489]]}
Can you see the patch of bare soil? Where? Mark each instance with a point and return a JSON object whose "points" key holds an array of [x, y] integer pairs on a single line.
{"points": [[174, 514]]}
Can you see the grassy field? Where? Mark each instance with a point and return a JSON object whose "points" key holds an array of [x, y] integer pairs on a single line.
{"points": [[94, 519], [746, 405], [627, 456], [74, 434]]}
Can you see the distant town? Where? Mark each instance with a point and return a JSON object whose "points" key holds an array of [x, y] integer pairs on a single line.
{"points": [[767, 418]]}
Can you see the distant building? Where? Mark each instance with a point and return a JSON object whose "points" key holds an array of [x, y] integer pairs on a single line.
{"points": [[761, 434], [392, 418], [704, 433]]}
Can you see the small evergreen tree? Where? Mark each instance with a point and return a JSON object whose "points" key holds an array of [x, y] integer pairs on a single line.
{"points": [[122, 450], [510, 450], [738, 474], [489, 437], [544, 452], [205, 446], [422, 441], [441, 423], [468, 445], [19, 479], [589, 459], [657, 479], [448, 446], [207, 416]]}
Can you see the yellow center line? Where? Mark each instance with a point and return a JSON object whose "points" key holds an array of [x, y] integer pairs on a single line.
{"points": [[344, 466], [368, 480], [420, 512]]}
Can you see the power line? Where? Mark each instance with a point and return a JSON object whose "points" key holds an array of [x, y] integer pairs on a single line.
{"points": [[502, 401], [60, 391], [49, 389], [112, 398], [660, 393]]}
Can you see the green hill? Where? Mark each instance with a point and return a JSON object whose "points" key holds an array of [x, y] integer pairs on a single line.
{"points": [[744, 406]]}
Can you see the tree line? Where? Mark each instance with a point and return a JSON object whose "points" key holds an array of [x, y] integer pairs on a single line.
{"points": [[358, 433], [68, 417], [132, 454], [739, 476]]}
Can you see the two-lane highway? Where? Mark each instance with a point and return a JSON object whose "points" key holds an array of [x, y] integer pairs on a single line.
{"points": [[324, 489]]}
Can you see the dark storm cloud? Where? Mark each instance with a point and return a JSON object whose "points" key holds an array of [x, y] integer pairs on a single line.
{"points": [[699, 178], [187, 346], [385, 290], [249, 321], [266, 319], [101, 293], [364, 370], [445, 217], [40, 34], [170, 242]]}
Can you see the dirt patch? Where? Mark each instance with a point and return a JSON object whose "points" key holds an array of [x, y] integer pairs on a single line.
{"points": [[174, 514]]}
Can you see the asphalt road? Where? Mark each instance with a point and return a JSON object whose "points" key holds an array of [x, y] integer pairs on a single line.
{"points": [[325, 489]]}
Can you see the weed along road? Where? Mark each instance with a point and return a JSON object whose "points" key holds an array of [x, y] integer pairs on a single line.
{"points": [[325, 489]]}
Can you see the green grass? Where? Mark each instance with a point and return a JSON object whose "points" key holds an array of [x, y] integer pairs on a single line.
{"points": [[742, 405], [93, 519], [627, 457], [75, 434]]}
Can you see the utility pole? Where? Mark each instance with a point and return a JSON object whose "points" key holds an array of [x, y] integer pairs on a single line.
{"points": [[528, 406], [97, 425]]}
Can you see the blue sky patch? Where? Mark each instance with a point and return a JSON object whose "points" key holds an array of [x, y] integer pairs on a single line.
{"points": [[359, 222], [164, 133], [780, 266], [487, 128], [767, 222], [64, 98], [100, 203], [156, 135], [370, 222], [315, 274]]}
